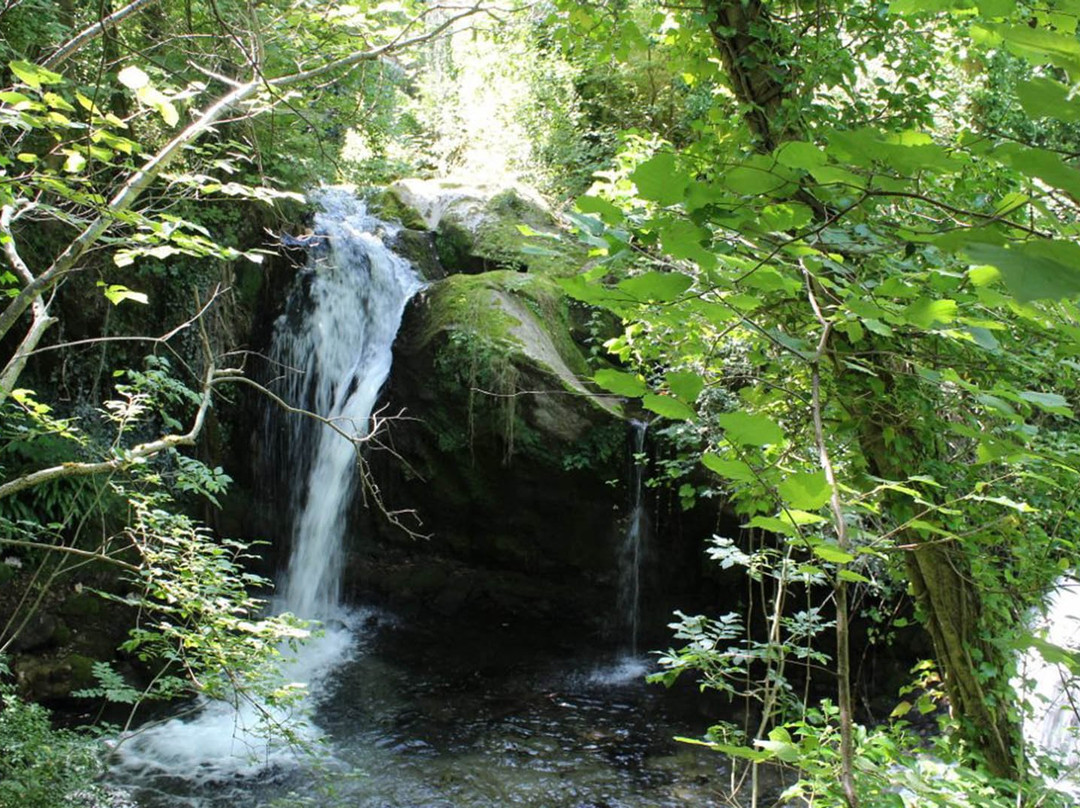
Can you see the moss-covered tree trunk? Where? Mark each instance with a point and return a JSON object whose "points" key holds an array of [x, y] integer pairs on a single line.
{"points": [[760, 75], [950, 608]]}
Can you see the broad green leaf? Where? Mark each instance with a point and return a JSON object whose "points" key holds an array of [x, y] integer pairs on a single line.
{"points": [[1051, 402], [659, 179], [735, 470], [752, 180], [687, 386], [668, 407], [852, 577], [784, 750], [773, 525], [133, 78], [831, 175], [1035, 270], [798, 518], [659, 287], [832, 554], [806, 491], [117, 294], [745, 752], [919, 6], [58, 102], [1042, 164], [997, 8], [751, 430], [927, 313], [1046, 98], [788, 216], [682, 238], [620, 383], [34, 75], [877, 327], [74, 163], [801, 155], [604, 209], [1040, 46]]}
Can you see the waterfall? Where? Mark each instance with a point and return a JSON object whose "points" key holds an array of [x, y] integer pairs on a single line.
{"points": [[335, 362], [332, 349], [631, 551], [1052, 691]]}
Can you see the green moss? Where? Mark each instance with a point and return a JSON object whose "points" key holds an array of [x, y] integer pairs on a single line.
{"points": [[456, 249], [82, 671], [82, 604], [388, 206]]}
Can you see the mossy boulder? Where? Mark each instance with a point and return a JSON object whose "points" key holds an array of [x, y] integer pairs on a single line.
{"points": [[478, 229], [507, 451]]}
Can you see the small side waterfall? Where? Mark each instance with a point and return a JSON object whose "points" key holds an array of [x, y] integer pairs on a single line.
{"points": [[1054, 726], [335, 362], [632, 549], [333, 351]]}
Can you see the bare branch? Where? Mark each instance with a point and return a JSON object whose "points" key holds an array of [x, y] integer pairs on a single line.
{"points": [[92, 32], [124, 460]]}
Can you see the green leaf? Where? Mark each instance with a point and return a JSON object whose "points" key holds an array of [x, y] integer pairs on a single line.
{"points": [[745, 752], [658, 179], [735, 470], [926, 313], [1051, 402], [682, 238], [1042, 164], [74, 163], [751, 180], [1046, 98], [117, 294], [1035, 270], [788, 216], [133, 78], [34, 75], [687, 386], [832, 554], [604, 209], [1040, 46], [620, 383], [852, 577], [751, 430], [668, 407], [806, 491], [773, 525], [658, 287], [797, 154]]}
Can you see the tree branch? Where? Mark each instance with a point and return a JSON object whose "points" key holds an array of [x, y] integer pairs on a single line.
{"points": [[142, 178], [92, 32]]}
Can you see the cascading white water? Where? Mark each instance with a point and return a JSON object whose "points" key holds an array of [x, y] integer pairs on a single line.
{"points": [[633, 544], [1053, 727], [333, 349], [335, 362]]}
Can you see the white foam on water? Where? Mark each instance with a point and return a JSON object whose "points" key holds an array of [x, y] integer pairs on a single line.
{"points": [[623, 671]]}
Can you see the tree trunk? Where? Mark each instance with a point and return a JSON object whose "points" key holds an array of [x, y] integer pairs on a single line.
{"points": [[949, 603]]}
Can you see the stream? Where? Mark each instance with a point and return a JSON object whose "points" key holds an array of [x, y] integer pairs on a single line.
{"points": [[455, 716]]}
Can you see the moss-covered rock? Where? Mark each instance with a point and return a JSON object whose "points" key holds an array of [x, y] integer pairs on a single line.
{"points": [[507, 451], [478, 229]]}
